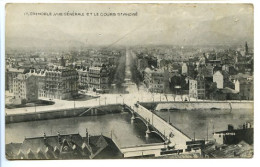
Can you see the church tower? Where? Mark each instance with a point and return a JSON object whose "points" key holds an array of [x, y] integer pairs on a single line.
{"points": [[246, 48]]}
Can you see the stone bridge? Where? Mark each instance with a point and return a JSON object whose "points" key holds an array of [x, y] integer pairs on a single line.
{"points": [[172, 136]]}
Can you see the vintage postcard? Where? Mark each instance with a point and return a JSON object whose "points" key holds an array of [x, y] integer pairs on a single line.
{"points": [[115, 81]]}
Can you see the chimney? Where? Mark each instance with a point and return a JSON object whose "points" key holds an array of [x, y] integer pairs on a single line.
{"points": [[44, 138], [59, 138], [87, 136]]}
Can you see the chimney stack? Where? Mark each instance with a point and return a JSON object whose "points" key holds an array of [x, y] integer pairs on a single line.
{"points": [[59, 138], [44, 138], [87, 136]]}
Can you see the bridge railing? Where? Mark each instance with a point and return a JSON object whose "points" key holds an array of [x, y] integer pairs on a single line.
{"points": [[162, 120], [170, 124]]}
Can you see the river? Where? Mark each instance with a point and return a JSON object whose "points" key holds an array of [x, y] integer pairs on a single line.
{"points": [[127, 133], [198, 121]]}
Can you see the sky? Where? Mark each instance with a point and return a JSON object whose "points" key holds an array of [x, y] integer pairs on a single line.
{"points": [[155, 24]]}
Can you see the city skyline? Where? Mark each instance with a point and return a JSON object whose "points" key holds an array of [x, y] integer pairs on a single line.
{"points": [[114, 81], [175, 24]]}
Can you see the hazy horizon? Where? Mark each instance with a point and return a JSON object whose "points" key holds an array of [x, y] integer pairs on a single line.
{"points": [[155, 24]]}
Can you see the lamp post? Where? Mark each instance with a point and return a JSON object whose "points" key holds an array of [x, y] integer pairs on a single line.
{"points": [[176, 88]]}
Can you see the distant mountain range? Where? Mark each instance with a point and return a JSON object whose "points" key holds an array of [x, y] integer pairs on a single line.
{"points": [[233, 30]]}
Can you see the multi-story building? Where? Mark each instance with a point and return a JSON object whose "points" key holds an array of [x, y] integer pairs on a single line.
{"points": [[25, 87], [184, 69], [245, 89], [40, 75], [193, 90], [98, 78], [221, 79], [61, 83], [197, 87], [83, 78], [11, 73], [156, 80], [201, 87]]}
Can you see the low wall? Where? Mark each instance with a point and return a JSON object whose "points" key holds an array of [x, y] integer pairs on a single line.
{"points": [[64, 113], [200, 105]]}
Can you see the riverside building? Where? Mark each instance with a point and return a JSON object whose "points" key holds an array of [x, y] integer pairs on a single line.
{"points": [[61, 83]]}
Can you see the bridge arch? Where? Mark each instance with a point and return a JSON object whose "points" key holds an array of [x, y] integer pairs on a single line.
{"points": [[145, 123], [160, 135]]}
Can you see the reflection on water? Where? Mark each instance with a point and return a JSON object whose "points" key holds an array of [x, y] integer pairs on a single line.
{"points": [[198, 121], [127, 133]]}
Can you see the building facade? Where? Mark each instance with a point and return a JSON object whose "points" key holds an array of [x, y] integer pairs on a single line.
{"points": [[219, 79], [201, 87], [40, 75], [11, 73], [197, 87], [157, 81], [83, 78], [193, 89], [184, 69], [61, 83], [25, 88], [245, 89], [98, 78]]}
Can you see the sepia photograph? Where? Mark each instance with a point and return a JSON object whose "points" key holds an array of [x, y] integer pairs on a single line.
{"points": [[129, 81]]}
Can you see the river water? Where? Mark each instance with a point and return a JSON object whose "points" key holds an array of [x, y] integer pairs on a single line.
{"points": [[206, 121], [126, 132]]}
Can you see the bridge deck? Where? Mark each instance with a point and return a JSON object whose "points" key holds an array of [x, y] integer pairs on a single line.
{"points": [[175, 136]]}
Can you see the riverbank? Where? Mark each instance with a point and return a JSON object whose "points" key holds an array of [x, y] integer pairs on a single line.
{"points": [[195, 105], [63, 113], [116, 108]]}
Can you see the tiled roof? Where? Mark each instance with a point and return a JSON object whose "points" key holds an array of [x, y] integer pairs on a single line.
{"points": [[12, 149], [57, 147]]}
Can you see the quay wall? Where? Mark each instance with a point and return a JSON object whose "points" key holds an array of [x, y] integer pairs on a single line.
{"points": [[63, 113], [200, 105]]}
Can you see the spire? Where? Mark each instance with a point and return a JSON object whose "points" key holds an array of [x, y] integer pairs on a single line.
{"points": [[246, 48]]}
